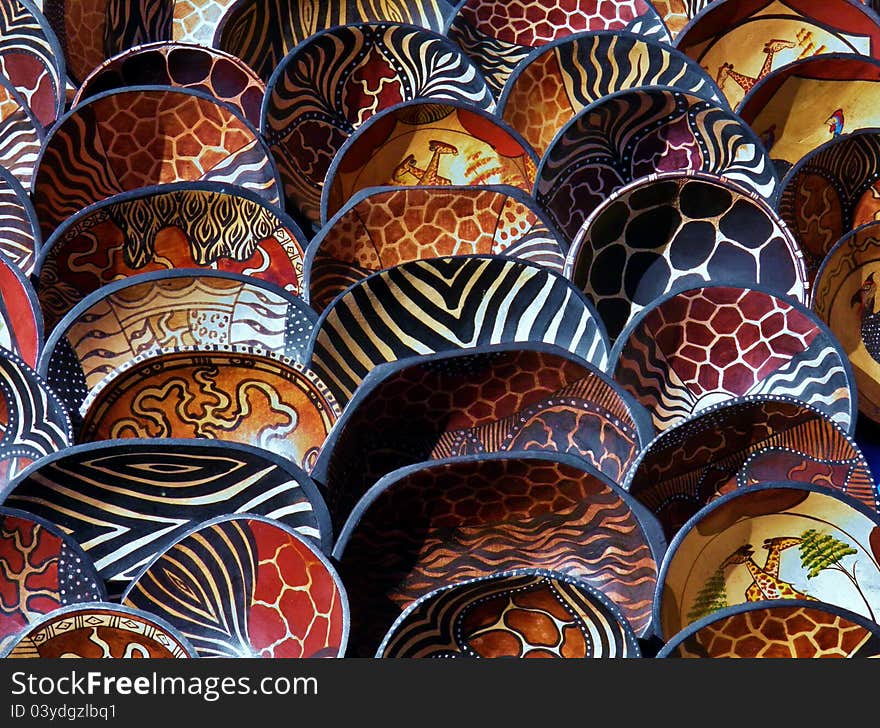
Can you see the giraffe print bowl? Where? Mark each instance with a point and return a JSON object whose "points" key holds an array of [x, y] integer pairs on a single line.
{"points": [[429, 525], [41, 569], [638, 132], [707, 345], [526, 613], [179, 65], [500, 35], [779, 628], [740, 42], [326, 89], [428, 142], [799, 107], [739, 444], [672, 231], [207, 225], [778, 540], [521, 397], [844, 298], [146, 135], [382, 227], [557, 80], [100, 630], [246, 586], [826, 196]]}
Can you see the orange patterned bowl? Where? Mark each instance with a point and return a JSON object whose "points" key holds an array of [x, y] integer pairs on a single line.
{"points": [[242, 396], [382, 227], [21, 326], [146, 135], [103, 630], [526, 613], [428, 142], [246, 586], [432, 524]]}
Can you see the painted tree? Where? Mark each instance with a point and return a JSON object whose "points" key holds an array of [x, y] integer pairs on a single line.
{"points": [[711, 598], [821, 551]]}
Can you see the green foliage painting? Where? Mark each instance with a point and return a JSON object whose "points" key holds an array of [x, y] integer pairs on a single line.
{"points": [[712, 597]]}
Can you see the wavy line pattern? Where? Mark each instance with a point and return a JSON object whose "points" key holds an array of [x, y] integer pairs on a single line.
{"points": [[131, 24], [19, 237]]}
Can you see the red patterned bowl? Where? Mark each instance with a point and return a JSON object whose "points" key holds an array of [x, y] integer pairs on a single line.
{"points": [[21, 326]]}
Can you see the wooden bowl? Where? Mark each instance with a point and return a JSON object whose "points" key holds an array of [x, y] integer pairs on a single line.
{"points": [[21, 325], [238, 396], [20, 239], [773, 541], [247, 586], [522, 397], [325, 89], [22, 134], [95, 630], [707, 345], [428, 142], [41, 569], [740, 42], [500, 35], [673, 231], [555, 81], [206, 225], [125, 501], [262, 34], [781, 628], [450, 303], [433, 524], [156, 313], [146, 135], [527, 613], [636, 133], [179, 65], [382, 227], [742, 443]]}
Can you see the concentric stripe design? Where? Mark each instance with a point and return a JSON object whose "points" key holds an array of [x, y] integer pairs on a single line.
{"points": [[262, 32], [19, 231], [126, 503], [635, 133], [556, 81], [21, 135], [511, 616], [338, 79], [434, 305], [422, 528]]}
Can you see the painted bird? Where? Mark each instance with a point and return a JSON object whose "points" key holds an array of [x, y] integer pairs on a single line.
{"points": [[864, 297], [835, 122]]}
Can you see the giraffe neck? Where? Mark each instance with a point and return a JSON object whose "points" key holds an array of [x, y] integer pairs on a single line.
{"points": [[746, 82], [768, 65]]}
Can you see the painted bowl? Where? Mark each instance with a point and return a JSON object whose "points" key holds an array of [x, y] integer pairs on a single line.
{"points": [[742, 443], [41, 569], [181, 225], [382, 227], [443, 304], [772, 541], [676, 14], [428, 142], [21, 135], [555, 81], [126, 501], [500, 35], [524, 614], [636, 133], [146, 135], [33, 421], [100, 630], [246, 586], [179, 65], [330, 85], [670, 232], [429, 525], [19, 229], [844, 298], [782, 628], [740, 42], [156, 313], [707, 345], [830, 192], [262, 33], [238, 396], [21, 325], [522, 397], [32, 60]]}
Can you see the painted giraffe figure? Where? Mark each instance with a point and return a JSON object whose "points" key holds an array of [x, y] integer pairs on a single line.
{"points": [[771, 48], [765, 585], [429, 175]]}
